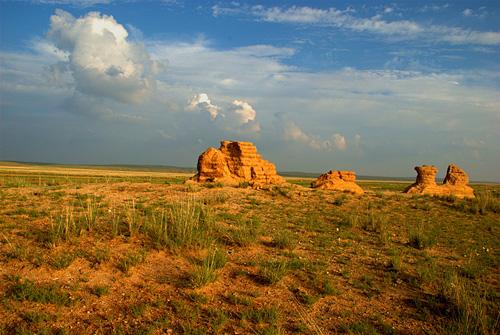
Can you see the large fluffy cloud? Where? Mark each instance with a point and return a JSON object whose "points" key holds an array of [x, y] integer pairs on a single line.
{"points": [[101, 59], [202, 101]]}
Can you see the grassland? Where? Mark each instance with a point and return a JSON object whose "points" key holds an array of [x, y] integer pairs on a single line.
{"points": [[131, 252]]}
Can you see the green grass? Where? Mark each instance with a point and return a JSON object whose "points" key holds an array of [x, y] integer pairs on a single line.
{"points": [[25, 289], [421, 236], [62, 260], [271, 272], [206, 272], [100, 290], [284, 240], [130, 259], [185, 224]]}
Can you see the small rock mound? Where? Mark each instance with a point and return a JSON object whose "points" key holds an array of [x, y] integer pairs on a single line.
{"points": [[338, 180], [455, 182], [236, 162]]}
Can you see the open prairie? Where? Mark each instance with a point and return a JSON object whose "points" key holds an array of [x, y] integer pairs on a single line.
{"points": [[107, 251]]}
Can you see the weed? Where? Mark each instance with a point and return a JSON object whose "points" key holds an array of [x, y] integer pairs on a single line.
{"points": [[273, 271]]}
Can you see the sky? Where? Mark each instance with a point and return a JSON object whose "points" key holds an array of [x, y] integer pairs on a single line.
{"points": [[371, 86]]}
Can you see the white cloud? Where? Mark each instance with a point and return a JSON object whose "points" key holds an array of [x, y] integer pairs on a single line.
{"points": [[101, 59], [403, 29], [202, 101], [78, 3], [291, 131], [468, 12], [389, 108], [244, 111], [340, 142]]}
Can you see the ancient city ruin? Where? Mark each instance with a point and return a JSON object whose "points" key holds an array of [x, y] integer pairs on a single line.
{"points": [[338, 181], [234, 163], [455, 183]]}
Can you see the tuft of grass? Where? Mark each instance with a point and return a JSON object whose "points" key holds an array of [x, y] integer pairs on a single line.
{"points": [[304, 297], [25, 289], [245, 234], [99, 290], [62, 260], [130, 259], [207, 271], [91, 213], [485, 202], [420, 238], [236, 299], [269, 315], [216, 198], [340, 200], [217, 319], [396, 262], [273, 271], [465, 306], [284, 240], [64, 228], [184, 224]]}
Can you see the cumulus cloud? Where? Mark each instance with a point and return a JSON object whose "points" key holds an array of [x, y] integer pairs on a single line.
{"points": [[101, 60], [244, 111], [241, 117], [343, 19], [202, 101]]}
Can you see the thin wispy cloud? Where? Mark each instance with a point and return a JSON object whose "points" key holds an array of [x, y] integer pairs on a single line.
{"points": [[344, 19]]}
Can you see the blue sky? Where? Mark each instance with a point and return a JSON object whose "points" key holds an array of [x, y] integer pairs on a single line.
{"points": [[375, 87]]}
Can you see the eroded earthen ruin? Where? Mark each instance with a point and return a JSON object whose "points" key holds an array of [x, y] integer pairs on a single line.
{"points": [[455, 183], [338, 180], [234, 163]]}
